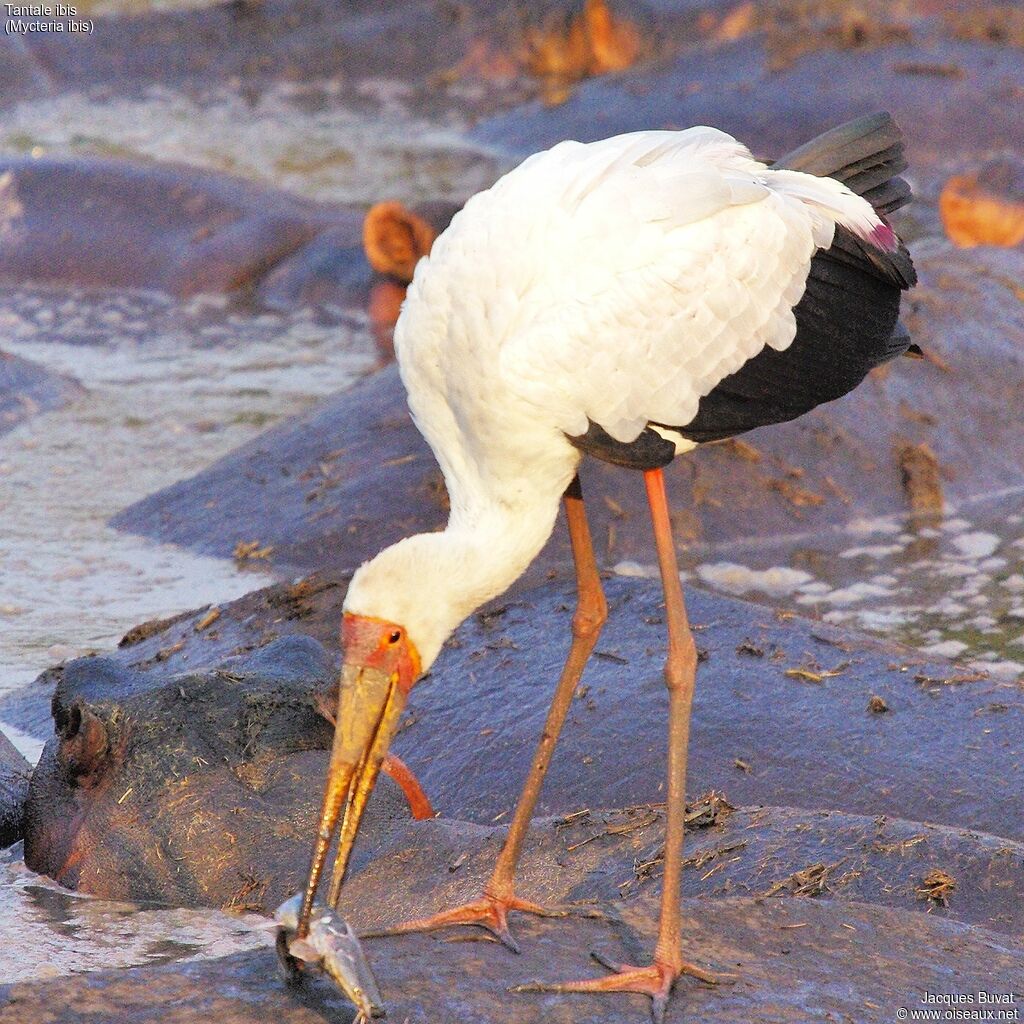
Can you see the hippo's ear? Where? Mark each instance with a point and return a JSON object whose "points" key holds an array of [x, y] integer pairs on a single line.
{"points": [[394, 239], [83, 740], [325, 702]]}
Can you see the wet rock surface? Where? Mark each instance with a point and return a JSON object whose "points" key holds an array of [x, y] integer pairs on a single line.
{"points": [[330, 488], [606, 860], [14, 776], [786, 713], [199, 789], [786, 954], [808, 737], [172, 229]]}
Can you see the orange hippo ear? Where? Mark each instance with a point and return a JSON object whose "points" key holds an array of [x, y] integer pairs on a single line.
{"points": [[395, 238]]}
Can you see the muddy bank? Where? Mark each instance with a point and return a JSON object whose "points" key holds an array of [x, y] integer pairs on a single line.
{"points": [[787, 957], [27, 388], [14, 776], [330, 488]]}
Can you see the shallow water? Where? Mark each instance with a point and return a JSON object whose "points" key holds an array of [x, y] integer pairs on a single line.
{"points": [[54, 932], [170, 387], [294, 136], [953, 587]]}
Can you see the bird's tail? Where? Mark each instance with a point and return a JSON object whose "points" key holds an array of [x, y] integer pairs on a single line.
{"points": [[831, 203], [866, 155], [863, 157]]}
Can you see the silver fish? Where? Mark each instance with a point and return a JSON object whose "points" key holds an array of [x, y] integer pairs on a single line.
{"points": [[334, 946]]}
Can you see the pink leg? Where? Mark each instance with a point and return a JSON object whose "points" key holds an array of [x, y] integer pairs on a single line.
{"points": [[419, 803], [668, 964]]}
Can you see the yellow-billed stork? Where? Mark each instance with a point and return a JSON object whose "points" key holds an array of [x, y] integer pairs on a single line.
{"points": [[630, 299]]}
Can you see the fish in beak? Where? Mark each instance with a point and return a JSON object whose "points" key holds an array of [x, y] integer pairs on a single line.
{"points": [[333, 946], [381, 665]]}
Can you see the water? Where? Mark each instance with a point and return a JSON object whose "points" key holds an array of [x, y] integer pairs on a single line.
{"points": [[48, 931], [170, 387], [294, 136], [952, 588]]}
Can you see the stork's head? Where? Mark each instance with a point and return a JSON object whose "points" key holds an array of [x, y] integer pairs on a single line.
{"points": [[398, 613]]}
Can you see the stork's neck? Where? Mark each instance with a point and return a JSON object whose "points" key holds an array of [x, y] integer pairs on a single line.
{"points": [[490, 547], [431, 582]]}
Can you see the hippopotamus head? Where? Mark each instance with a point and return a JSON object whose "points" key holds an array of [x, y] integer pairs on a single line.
{"points": [[198, 788]]}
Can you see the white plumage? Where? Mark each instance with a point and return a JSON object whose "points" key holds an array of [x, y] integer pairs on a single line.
{"points": [[616, 282]]}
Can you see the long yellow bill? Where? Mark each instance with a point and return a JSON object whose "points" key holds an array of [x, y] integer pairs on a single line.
{"points": [[370, 703]]}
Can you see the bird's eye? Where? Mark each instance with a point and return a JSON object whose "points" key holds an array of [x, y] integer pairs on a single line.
{"points": [[395, 637]]}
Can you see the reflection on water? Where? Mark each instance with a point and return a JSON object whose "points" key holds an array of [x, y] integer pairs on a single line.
{"points": [[170, 387], [53, 932]]}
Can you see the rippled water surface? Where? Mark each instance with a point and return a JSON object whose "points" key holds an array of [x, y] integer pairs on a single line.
{"points": [[53, 932], [170, 387], [296, 137], [953, 587]]}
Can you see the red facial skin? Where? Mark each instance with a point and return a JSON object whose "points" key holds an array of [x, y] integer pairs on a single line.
{"points": [[378, 644]]}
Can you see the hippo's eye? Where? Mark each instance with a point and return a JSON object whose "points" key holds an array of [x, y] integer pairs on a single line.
{"points": [[395, 637]]}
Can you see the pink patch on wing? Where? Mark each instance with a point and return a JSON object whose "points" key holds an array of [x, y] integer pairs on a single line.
{"points": [[884, 237]]}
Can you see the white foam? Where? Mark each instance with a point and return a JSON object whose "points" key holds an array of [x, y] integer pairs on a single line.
{"points": [[865, 527], [872, 551], [955, 525], [778, 581], [1009, 670], [976, 545], [857, 592], [945, 649], [635, 569]]}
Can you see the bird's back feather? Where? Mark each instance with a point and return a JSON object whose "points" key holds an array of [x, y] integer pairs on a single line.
{"points": [[846, 319], [613, 283], [669, 260]]}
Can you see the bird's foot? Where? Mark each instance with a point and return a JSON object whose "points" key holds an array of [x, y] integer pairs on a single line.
{"points": [[655, 981], [488, 912]]}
